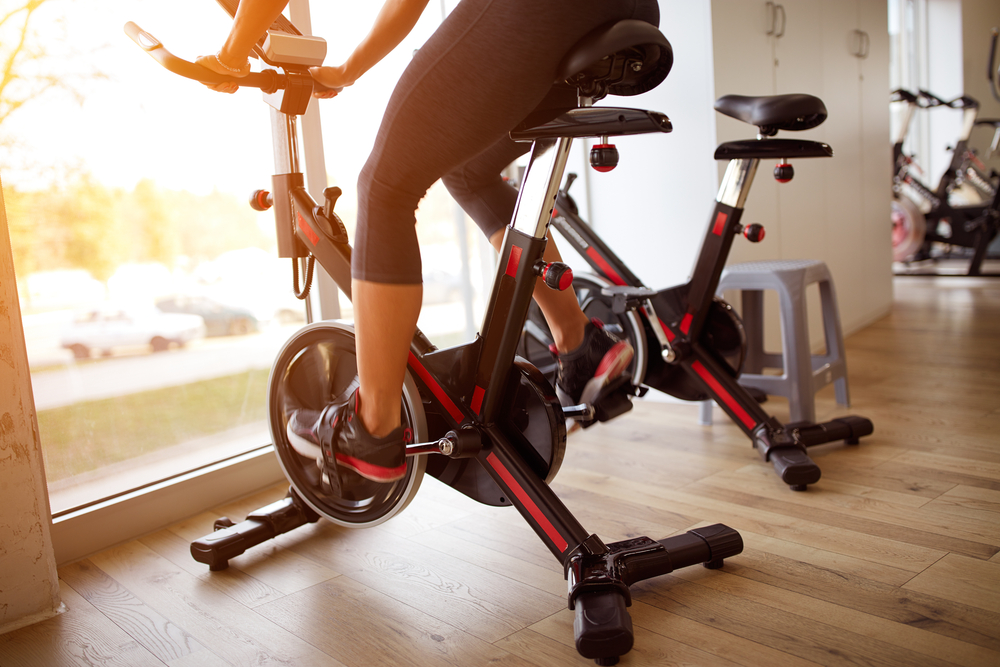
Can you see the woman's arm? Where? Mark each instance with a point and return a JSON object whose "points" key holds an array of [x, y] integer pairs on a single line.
{"points": [[253, 18], [394, 22]]}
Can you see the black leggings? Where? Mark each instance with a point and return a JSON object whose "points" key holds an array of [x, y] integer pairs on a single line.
{"points": [[488, 66]]}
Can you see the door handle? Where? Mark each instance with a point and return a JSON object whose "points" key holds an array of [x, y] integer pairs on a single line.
{"points": [[862, 43]]}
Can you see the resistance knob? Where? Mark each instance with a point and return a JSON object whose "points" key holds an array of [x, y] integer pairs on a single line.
{"points": [[754, 232], [555, 274], [783, 172], [261, 200], [604, 157]]}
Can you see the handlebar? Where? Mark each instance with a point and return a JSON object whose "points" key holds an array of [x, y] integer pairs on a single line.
{"points": [[268, 80], [928, 100]]}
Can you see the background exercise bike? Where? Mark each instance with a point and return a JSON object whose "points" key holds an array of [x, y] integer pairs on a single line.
{"points": [[485, 422], [689, 343], [924, 218]]}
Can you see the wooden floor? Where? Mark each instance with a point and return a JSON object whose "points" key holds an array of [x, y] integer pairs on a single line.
{"points": [[891, 559]]}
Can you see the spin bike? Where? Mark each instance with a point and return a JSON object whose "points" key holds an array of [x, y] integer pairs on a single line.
{"points": [[922, 216], [484, 421], [688, 342]]}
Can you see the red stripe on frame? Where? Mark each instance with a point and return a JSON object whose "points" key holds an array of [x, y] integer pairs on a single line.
{"points": [[513, 261], [603, 265], [436, 389], [477, 399], [306, 229], [558, 540], [667, 331], [720, 223], [686, 322], [723, 394]]}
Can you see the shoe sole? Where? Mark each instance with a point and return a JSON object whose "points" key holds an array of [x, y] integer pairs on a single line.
{"points": [[371, 471], [303, 446]]}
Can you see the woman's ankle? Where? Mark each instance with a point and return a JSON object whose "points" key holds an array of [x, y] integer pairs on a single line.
{"points": [[378, 422]]}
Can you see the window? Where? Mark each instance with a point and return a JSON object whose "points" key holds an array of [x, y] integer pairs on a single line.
{"points": [[152, 298]]}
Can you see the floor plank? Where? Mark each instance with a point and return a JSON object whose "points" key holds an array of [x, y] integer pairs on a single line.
{"points": [[961, 579]]}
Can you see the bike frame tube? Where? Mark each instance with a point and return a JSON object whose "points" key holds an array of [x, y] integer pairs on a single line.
{"points": [[538, 504], [514, 283]]}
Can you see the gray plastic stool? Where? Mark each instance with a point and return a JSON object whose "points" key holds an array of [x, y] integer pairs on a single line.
{"points": [[803, 373]]}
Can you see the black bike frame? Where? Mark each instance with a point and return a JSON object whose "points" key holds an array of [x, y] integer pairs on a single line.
{"points": [[475, 396]]}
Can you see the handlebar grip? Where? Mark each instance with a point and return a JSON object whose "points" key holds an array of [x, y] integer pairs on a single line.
{"points": [[267, 80]]}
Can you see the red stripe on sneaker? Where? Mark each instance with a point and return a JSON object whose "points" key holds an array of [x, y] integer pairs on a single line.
{"points": [[436, 389], [376, 473], [536, 513], [605, 268], [611, 358], [724, 395]]}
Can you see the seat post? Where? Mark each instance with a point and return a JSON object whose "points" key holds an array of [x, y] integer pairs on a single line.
{"points": [[538, 191], [737, 181]]}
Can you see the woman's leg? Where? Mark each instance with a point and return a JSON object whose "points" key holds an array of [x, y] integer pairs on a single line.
{"points": [[385, 318], [488, 66], [483, 194]]}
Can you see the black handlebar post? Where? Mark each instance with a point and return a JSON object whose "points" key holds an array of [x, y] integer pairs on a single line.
{"points": [[267, 80], [992, 70]]}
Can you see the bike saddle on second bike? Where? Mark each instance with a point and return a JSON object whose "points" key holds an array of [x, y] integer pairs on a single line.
{"points": [[774, 112]]}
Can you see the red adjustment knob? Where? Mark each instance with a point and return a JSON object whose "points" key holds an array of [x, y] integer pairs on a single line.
{"points": [[604, 157], [555, 274], [754, 232], [783, 172], [260, 200]]}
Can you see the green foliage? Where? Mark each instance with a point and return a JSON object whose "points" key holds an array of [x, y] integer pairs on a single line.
{"points": [[94, 232], [86, 225], [94, 434]]}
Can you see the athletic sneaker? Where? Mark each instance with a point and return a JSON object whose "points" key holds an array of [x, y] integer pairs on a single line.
{"points": [[346, 444], [584, 373]]}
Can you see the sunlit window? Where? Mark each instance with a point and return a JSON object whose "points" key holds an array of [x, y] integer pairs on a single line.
{"points": [[152, 297]]}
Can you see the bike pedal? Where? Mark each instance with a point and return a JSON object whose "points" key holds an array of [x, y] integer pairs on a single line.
{"points": [[617, 401]]}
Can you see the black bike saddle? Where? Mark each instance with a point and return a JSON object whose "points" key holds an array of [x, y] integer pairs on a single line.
{"points": [[623, 58], [774, 112]]}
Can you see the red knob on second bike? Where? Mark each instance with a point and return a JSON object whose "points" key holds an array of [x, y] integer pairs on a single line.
{"points": [[783, 172], [754, 232], [604, 157], [260, 200]]}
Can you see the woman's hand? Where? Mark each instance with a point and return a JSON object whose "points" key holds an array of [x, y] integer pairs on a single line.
{"points": [[213, 64], [334, 78]]}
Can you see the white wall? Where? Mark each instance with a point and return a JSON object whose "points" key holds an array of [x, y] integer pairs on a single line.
{"points": [[978, 18], [654, 207], [944, 79], [29, 586]]}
